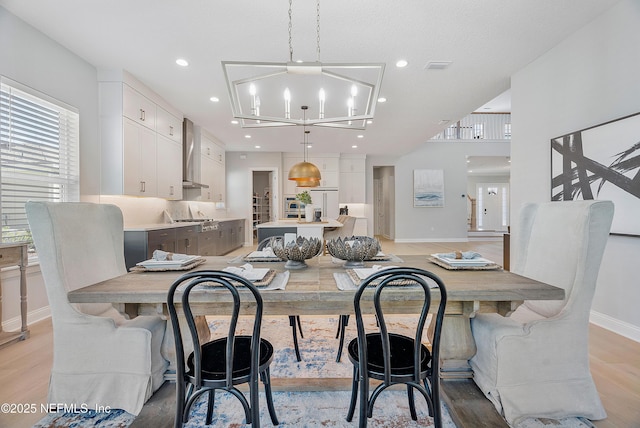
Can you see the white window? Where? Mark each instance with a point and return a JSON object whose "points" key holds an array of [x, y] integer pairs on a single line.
{"points": [[38, 154]]}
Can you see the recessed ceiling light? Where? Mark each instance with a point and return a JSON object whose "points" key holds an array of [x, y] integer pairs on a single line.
{"points": [[369, 122], [354, 147], [402, 63], [234, 122], [382, 100], [182, 62], [247, 136], [214, 99], [360, 136], [257, 147]]}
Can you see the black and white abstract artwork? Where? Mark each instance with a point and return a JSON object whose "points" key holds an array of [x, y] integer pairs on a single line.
{"points": [[428, 188], [601, 162]]}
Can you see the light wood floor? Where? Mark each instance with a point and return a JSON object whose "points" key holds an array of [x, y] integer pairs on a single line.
{"points": [[615, 360]]}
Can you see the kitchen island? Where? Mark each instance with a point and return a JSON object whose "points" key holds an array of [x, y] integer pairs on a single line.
{"points": [[312, 229]]}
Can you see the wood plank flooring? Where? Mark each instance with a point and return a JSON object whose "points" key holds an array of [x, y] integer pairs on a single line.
{"points": [[615, 360]]}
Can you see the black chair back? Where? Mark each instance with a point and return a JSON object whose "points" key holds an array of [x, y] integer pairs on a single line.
{"points": [[195, 370], [407, 364]]}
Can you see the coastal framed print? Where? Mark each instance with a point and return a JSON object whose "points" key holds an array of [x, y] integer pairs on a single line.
{"points": [[428, 188], [601, 162]]}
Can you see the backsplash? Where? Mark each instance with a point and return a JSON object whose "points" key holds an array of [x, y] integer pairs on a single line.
{"points": [[139, 211]]}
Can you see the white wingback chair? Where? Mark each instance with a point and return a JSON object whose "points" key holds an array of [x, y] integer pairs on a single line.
{"points": [[535, 362], [99, 356]]}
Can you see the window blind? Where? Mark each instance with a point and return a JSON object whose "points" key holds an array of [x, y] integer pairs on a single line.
{"points": [[38, 154]]}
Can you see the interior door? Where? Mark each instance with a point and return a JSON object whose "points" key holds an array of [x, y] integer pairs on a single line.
{"points": [[378, 208]]}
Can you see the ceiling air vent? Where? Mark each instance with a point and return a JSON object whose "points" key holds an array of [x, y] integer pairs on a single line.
{"points": [[437, 65]]}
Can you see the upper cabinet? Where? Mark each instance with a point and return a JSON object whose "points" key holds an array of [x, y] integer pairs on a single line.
{"points": [[212, 168], [138, 108], [140, 139], [352, 179]]}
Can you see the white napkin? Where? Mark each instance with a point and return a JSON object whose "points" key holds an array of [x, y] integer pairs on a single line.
{"points": [[365, 272], [166, 256], [266, 253], [247, 271]]}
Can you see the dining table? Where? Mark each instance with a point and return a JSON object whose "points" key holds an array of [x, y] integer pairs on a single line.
{"points": [[314, 291]]}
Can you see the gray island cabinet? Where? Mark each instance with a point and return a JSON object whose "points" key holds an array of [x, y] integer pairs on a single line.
{"points": [[141, 241]]}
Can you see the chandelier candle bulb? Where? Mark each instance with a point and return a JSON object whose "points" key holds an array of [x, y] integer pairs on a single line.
{"points": [[287, 103], [321, 96]]}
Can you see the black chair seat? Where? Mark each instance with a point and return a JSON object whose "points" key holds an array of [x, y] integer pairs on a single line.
{"points": [[214, 361], [401, 354]]}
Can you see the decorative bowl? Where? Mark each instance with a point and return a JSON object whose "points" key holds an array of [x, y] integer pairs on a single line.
{"points": [[354, 249], [295, 253]]}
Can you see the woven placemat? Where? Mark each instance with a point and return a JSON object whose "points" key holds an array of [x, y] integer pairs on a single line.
{"points": [[491, 266], [189, 266], [262, 259], [266, 279]]}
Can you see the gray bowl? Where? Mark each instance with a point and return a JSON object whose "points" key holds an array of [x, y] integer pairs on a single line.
{"points": [[354, 250], [295, 253]]}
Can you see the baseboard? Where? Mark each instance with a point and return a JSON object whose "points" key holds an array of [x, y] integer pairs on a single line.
{"points": [[14, 324], [622, 328]]}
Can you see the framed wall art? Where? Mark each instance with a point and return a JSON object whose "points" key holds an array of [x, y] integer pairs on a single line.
{"points": [[601, 162], [428, 188]]}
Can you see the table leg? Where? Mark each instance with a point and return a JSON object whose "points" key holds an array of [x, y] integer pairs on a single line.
{"points": [[23, 300], [456, 346]]}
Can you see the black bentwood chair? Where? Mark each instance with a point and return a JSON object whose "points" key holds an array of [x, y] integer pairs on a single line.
{"points": [[294, 320], [224, 362], [394, 358]]}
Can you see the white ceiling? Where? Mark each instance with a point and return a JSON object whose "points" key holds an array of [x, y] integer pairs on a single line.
{"points": [[487, 42]]}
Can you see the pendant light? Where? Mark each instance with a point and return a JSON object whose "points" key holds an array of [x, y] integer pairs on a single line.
{"points": [[304, 173]]}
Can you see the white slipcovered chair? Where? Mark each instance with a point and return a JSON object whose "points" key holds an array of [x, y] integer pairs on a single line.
{"points": [[99, 356], [535, 362]]}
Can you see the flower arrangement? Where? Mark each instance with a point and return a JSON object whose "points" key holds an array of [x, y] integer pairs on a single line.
{"points": [[304, 197]]}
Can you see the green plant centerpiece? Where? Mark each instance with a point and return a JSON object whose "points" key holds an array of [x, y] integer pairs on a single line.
{"points": [[304, 197]]}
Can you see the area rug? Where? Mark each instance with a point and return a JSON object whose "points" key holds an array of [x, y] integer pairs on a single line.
{"points": [[318, 349]]}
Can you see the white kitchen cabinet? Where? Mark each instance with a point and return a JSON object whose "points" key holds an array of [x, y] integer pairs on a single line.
{"points": [[219, 185], [352, 188], [138, 108], [169, 159], [353, 164], [140, 139], [139, 159], [168, 125], [212, 170]]}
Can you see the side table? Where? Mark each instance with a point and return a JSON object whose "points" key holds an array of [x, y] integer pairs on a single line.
{"points": [[15, 255]]}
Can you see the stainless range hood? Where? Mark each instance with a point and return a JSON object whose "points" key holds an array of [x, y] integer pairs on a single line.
{"points": [[191, 158]]}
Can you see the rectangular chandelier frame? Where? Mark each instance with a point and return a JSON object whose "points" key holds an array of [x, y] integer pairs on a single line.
{"points": [[273, 69]]}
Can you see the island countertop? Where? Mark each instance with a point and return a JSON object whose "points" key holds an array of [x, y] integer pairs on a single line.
{"points": [[326, 222]]}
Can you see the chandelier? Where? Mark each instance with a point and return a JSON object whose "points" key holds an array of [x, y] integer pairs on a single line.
{"points": [[304, 173], [340, 95]]}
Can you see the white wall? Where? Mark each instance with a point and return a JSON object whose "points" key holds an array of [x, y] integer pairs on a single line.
{"points": [[434, 224], [239, 169], [590, 78], [31, 58]]}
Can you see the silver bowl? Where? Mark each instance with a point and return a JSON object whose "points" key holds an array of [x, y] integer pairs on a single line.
{"points": [[295, 253], [354, 249]]}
